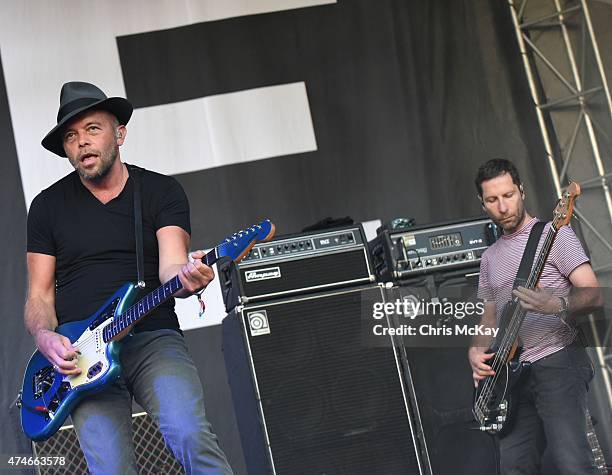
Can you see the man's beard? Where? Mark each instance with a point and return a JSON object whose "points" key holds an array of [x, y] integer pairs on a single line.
{"points": [[520, 217], [105, 166]]}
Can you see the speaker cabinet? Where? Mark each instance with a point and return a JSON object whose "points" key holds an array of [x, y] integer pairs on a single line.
{"points": [[311, 397], [152, 455], [442, 381]]}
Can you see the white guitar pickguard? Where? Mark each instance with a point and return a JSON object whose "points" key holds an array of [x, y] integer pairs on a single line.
{"points": [[93, 351]]}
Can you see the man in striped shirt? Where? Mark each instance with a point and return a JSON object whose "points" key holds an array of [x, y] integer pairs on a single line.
{"points": [[552, 399]]}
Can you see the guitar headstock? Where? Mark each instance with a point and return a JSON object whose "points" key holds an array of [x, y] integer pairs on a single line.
{"points": [[565, 207], [239, 244]]}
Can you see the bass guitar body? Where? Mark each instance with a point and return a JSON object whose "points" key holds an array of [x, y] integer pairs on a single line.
{"points": [[48, 397], [495, 397], [495, 417]]}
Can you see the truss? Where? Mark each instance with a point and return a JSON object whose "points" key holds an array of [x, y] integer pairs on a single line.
{"points": [[568, 84]]}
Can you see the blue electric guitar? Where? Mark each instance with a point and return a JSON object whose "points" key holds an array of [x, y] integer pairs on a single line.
{"points": [[47, 396]]}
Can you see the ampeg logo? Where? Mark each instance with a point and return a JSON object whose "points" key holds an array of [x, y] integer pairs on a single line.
{"points": [[262, 274], [258, 322], [412, 307]]}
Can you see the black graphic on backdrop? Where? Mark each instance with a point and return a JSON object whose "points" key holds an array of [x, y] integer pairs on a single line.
{"points": [[396, 92]]}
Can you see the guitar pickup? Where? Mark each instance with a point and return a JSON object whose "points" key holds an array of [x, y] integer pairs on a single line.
{"points": [[94, 370]]}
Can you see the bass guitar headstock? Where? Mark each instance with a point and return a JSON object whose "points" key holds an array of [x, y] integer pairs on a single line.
{"points": [[565, 207]]}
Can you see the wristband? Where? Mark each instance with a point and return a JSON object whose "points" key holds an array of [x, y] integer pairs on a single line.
{"points": [[564, 311]]}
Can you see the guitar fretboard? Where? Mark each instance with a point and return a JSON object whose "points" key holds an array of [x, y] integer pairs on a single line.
{"points": [[150, 302], [600, 461], [519, 314], [511, 334]]}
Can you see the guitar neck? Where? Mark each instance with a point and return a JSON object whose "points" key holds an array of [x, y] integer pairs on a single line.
{"points": [[518, 315], [538, 267], [150, 302], [600, 461]]}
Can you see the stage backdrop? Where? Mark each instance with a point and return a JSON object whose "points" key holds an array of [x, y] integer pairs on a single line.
{"points": [[290, 109]]}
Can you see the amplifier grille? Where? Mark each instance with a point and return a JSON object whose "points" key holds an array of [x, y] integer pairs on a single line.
{"points": [[330, 404], [152, 455]]}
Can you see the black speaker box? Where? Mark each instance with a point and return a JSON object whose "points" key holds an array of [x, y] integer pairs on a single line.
{"points": [[152, 455], [310, 397], [442, 380]]}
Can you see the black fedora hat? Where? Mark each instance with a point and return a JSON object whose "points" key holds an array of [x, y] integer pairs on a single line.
{"points": [[77, 97]]}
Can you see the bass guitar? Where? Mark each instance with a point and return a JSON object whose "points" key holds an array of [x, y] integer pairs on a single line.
{"points": [[493, 401], [47, 397]]}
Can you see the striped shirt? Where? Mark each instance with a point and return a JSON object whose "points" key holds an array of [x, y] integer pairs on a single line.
{"points": [[540, 335]]}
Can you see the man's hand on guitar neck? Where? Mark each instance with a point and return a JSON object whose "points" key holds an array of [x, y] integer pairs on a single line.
{"points": [[477, 352], [539, 300], [58, 350], [480, 369], [173, 251], [195, 275]]}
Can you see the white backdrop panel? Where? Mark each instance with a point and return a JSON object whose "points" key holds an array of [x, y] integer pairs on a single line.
{"points": [[221, 130], [46, 43]]}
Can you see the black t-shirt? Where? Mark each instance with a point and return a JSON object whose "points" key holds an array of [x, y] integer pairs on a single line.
{"points": [[94, 243]]}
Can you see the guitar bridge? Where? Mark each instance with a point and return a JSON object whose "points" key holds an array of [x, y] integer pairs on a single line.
{"points": [[43, 381], [493, 420]]}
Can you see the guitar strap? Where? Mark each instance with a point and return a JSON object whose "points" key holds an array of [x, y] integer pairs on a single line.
{"points": [[137, 175], [529, 254]]}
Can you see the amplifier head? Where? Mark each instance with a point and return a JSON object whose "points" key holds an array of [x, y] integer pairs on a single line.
{"points": [[299, 263], [398, 255]]}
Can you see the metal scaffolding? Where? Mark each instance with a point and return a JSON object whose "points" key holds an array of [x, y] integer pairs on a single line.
{"points": [[568, 84]]}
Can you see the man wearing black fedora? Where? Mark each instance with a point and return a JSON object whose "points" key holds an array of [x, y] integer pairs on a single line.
{"points": [[81, 248]]}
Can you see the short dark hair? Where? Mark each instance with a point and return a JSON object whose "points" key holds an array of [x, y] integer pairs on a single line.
{"points": [[494, 168]]}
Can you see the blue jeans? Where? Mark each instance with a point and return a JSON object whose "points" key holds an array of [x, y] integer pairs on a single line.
{"points": [[551, 413], [161, 376]]}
